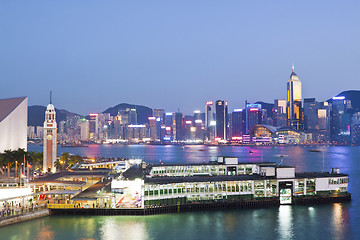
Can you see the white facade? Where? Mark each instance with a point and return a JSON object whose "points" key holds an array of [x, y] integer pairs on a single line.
{"points": [[50, 139], [84, 130], [285, 172], [13, 123]]}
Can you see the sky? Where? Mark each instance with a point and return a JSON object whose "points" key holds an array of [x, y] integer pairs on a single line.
{"points": [[175, 54]]}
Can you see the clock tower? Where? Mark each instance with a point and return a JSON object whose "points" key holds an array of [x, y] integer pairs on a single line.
{"points": [[50, 142]]}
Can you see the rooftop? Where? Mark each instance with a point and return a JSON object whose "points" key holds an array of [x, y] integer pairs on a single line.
{"points": [[8, 105]]}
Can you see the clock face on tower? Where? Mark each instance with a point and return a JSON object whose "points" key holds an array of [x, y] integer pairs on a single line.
{"points": [[49, 137]]}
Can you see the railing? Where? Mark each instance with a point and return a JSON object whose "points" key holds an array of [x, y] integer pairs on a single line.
{"points": [[14, 212], [62, 206]]}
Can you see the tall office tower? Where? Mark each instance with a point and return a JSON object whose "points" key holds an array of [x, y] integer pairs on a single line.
{"points": [[310, 114], [132, 116], [253, 116], [169, 119], [94, 126], [188, 130], [152, 127], [279, 113], [221, 128], [340, 120], [169, 122], [178, 127], [209, 121], [238, 123], [294, 108], [84, 130], [50, 141], [159, 113], [197, 115], [323, 122], [124, 115], [119, 127], [199, 130], [355, 128]]}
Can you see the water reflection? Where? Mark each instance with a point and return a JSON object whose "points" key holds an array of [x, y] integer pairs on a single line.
{"points": [[340, 221], [111, 228], [285, 222], [45, 234]]}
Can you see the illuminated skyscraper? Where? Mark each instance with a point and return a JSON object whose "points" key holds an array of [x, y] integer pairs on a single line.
{"points": [[238, 123], [253, 116], [294, 107], [279, 113], [340, 120], [222, 119], [50, 142]]}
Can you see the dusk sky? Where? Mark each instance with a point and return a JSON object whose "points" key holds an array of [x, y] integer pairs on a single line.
{"points": [[175, 54]]}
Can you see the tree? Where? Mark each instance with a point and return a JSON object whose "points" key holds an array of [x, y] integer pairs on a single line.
{"points": [[35, 159], [9, 157], [74, 159]]}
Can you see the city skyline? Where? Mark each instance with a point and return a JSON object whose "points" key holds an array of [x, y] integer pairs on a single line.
{"points": [[176, 55]]}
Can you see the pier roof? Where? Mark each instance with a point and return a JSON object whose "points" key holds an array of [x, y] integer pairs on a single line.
{"points": [[319, 175], [211, 164], [91, 193], [90, 173]]}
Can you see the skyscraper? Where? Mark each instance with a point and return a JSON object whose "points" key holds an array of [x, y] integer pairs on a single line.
{"points": [[294, 107], [178, 126], [50, 141], [310, 114], [238, 123], [279, 113], [209, 121], [340, 120], [253, 116], [94, 126], [221, 119]]}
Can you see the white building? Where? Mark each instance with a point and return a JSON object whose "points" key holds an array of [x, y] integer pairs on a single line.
{"points": [[13, 123]]}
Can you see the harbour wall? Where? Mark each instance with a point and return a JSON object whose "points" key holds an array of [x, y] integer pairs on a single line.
{"points": [[198, 206], [24, 217]]}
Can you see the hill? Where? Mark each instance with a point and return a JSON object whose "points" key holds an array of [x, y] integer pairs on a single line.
{"points": [[354, 96], [36, 115], [142, 112]]}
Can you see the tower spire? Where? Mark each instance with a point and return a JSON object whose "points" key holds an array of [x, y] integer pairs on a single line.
{"points": [[50, 97], [293, 68]]}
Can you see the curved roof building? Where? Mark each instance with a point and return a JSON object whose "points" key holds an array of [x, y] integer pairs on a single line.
{"points": [[13, 123]]}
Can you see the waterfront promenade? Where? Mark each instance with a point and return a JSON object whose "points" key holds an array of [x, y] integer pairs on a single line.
{"points": [[17, 215]]}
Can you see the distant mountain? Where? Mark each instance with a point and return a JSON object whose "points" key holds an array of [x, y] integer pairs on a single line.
{"points": [[142, 112], [267, 106], [36, 115], [354, 96]]}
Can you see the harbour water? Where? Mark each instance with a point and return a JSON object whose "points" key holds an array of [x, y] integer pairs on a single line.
{"points": [[328, 221]]}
